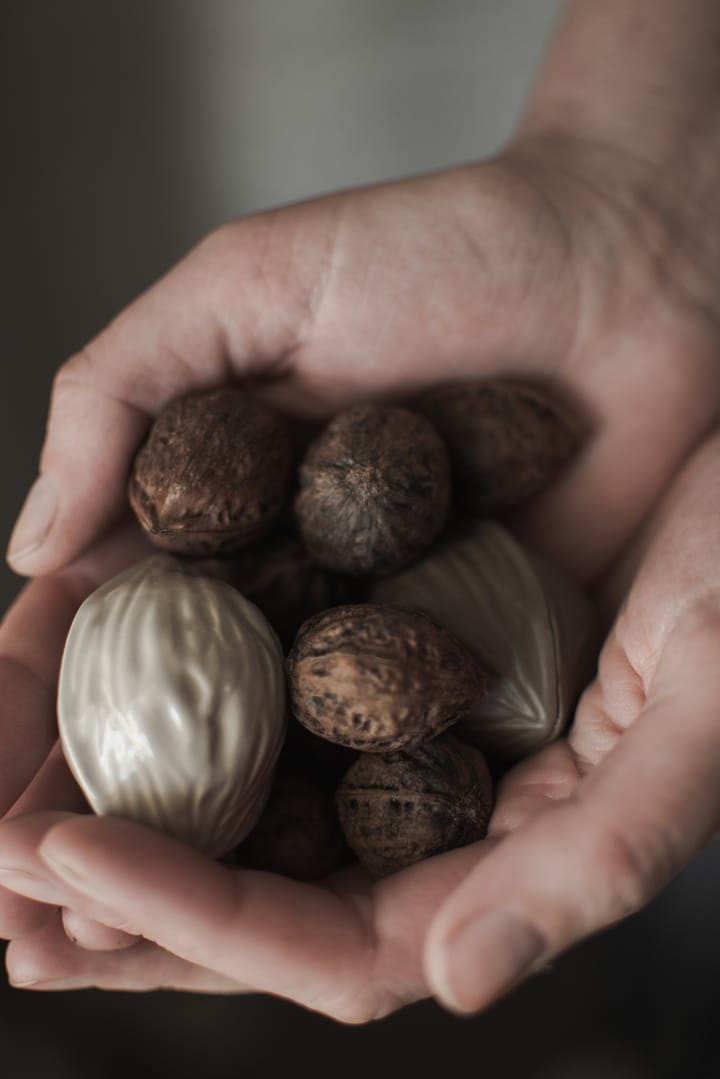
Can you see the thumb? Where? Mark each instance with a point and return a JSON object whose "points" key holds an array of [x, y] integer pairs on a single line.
{"points": [[632, 823], [221, 313]]}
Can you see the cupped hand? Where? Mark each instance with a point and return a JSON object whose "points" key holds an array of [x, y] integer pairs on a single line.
{"points": [[549, 262], [583, 834]]}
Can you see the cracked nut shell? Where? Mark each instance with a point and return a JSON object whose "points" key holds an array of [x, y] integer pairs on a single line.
{"points": [[377, 677], [400, 808], [374, 490], [213, 473]]}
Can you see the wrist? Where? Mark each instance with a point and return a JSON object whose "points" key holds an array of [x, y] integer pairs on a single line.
{"points": [[640, 75]]}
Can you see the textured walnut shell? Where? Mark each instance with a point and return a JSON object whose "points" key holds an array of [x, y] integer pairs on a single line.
{"points": [[507, 440], [377, 678], [524, 617], [374, 490], [279, 576], [212, 474], [298, 834], [400, 808], [172, 703]]}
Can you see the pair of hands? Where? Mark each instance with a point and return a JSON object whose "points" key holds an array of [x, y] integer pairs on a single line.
{"points": [[552, 261]]}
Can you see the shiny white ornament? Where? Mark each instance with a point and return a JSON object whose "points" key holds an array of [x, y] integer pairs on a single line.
{"points": [[529, 622], [172, 703]]}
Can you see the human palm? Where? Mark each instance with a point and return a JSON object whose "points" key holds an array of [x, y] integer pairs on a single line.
{"points": [[552, 262]]}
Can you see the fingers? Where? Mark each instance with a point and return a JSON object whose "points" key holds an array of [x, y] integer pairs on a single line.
{"points": [[32, 637], [258, 929], [634, 822], [234, 308], [277, 935], [346, 950], [31, 641], [93, 935], [48, 960]]}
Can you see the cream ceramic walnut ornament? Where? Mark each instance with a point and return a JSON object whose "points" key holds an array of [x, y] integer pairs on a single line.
{"points": [[527, 620], [172, 704]]}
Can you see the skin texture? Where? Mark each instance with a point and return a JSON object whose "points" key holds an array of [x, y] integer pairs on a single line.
{"points": [[587, 254]]}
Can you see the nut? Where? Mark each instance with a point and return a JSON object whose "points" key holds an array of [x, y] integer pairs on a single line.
{"points": [[279, 576], [377, 677], [400, 808], [374, 490], [213, 473], [507, 440], [298, 834], [172, 703]]}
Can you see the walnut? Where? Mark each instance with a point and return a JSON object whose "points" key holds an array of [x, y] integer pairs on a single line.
{"points": [[213, 473], [377, 677], [298, 834], [400, 808], [507, 440], [279, 576], [374, 490]]}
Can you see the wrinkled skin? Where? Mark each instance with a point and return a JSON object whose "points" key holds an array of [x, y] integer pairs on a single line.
{"points": [[563, 259]]}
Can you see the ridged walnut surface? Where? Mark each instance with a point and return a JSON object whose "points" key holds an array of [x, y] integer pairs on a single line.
{"points": [[526, 619], [377, 678], [507, 440], [400, 808], [213, 473], [172, 704], [374, 490]]}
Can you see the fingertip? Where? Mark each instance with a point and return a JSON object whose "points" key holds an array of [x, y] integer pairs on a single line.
{"points": [[33, 527], [95, 936], [471, 963]]}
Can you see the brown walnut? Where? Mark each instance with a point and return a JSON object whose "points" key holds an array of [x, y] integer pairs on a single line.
{"points": [[400, 808], [213, 473], [374, 490], [376, 677], [298, 834], [507, 440], [279, 576]]}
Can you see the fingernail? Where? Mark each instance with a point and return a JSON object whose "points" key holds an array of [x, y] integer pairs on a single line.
{"points": [[52, 983], [17, 880], [483, 958], [35, 520]]}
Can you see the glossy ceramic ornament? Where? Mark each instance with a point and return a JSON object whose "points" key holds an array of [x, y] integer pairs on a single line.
{"points": [[172, 703], [528, 621]]}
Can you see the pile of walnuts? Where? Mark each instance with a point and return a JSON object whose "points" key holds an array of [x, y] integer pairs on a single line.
{"points": [[301, 525]]}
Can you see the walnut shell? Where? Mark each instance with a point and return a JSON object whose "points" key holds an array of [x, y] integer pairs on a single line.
{"points": [[374, 490], [298, 834], [507, 440], [400, 808], [377, 677], [213, 473], [279, 576], [172, 703]]}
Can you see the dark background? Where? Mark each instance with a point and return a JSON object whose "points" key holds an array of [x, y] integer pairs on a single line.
{"points": [[129, 129]]}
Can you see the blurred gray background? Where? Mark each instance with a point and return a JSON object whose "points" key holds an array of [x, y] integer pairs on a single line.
{"points": [[129, 129]]}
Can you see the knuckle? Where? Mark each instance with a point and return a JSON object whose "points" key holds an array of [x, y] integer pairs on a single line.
{"points": [[629, 871], [364, 1005], [79, 369]]}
